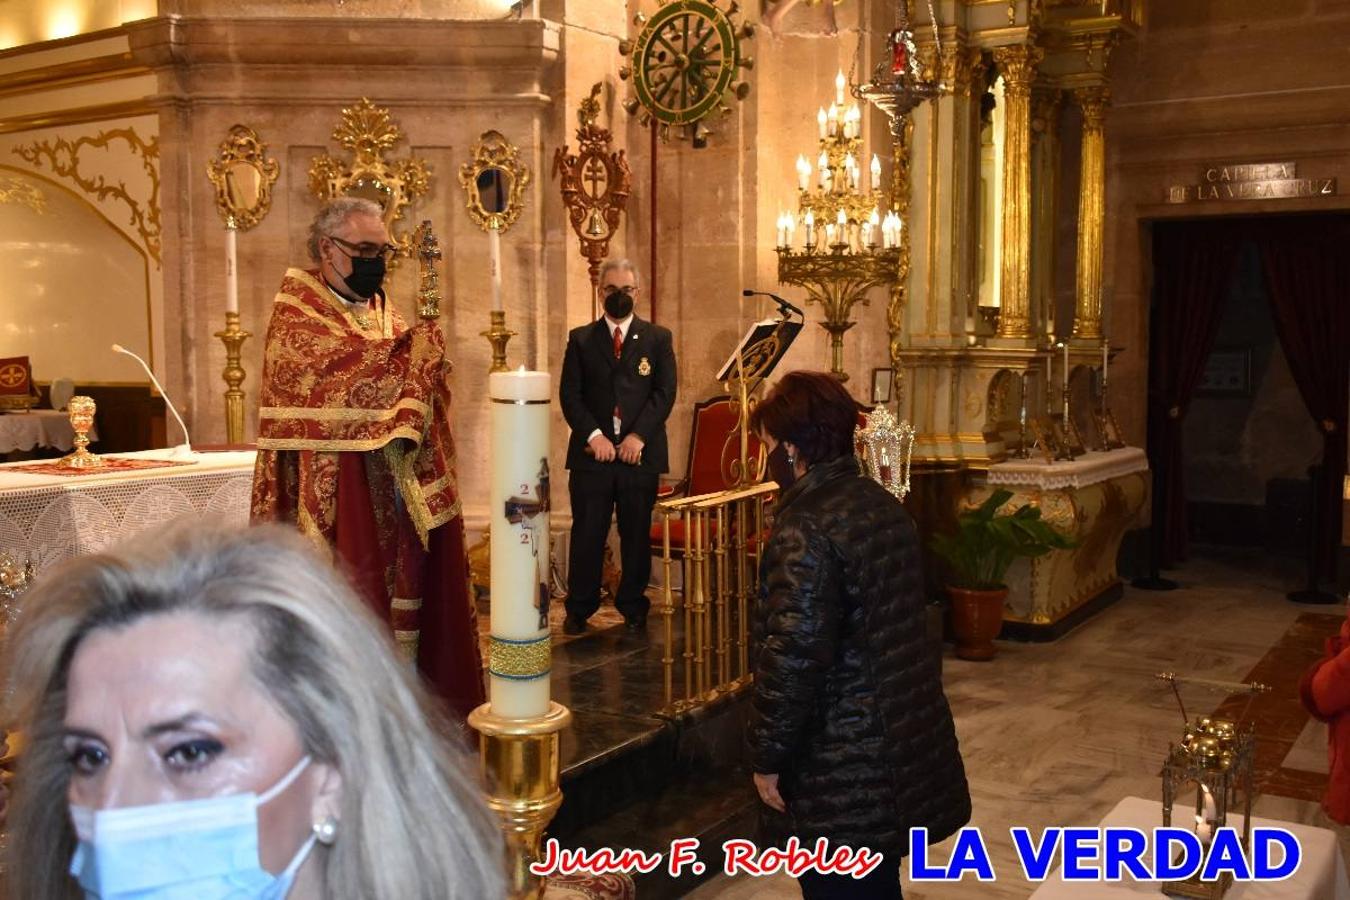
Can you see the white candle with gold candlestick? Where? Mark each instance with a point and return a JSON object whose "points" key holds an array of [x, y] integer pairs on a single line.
{"points": [[495, 267], [231, 272], [519, 651]]}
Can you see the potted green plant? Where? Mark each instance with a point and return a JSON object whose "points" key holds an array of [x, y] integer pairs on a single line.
{"points": [[978, 555]]}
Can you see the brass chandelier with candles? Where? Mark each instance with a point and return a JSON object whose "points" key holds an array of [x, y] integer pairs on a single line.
{"points": [[846, 244]]}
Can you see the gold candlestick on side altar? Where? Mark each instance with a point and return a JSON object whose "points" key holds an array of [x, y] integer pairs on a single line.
{"points": [[233, 338]]}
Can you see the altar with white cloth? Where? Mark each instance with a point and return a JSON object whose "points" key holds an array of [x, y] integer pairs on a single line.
{"points": [[1320, 876], [50, 518], [1094, 499]]}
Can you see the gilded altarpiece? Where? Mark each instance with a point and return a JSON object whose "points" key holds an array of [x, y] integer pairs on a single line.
{"points": [[962, 365]]}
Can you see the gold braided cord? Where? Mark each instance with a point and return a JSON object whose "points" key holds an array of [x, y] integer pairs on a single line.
{"points": [[520, 659]]}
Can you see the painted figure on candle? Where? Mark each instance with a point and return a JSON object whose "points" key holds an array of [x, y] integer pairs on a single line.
{"points": [[355, 448], [617, 389], [525, 511]]}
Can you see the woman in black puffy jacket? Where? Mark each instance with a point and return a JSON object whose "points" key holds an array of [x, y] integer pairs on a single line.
{"points": [[851, 737]]}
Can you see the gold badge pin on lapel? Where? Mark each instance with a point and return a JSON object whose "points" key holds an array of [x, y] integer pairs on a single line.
{"points": [[644, 367]]}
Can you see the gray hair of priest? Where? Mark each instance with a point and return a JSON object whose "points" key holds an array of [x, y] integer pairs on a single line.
{"points": [[624, 265], [331, 216], [414, 825]]}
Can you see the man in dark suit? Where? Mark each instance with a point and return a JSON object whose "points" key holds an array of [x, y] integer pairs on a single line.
{"points": [[618, 387]]}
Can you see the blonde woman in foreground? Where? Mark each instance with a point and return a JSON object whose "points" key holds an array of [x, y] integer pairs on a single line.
{"points": [[213, 714]]}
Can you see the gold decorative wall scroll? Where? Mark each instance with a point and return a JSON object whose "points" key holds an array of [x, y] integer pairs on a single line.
{"points": [[494, 184], [684, 61], [243, 176], [63, 158], [369, 133], [595, 184]]}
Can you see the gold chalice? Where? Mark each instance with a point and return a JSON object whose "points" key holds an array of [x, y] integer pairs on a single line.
{"points": [[81, 419]]}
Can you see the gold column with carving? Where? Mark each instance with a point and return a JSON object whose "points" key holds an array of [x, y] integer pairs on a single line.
{"points": [[1087, 314], [1017, 65], [895, 306], [1045, 109]]}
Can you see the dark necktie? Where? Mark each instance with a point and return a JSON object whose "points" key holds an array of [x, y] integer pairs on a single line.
{"points": [[618, 352]]}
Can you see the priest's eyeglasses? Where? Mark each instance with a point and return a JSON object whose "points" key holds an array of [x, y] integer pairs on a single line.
{"points": [[367, 250]]}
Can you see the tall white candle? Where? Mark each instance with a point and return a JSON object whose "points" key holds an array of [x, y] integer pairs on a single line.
{"points": [[839, 83], [820, 122], [231, 272], [803, 173], [1065, 345], [518, 664], [495, 267]]}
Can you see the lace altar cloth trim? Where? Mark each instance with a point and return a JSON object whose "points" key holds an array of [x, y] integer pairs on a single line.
{"points": [[38, 428], [110, 464], [1090, 468], [59, 518]]}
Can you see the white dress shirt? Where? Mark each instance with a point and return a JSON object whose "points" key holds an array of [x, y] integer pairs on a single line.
{"points": [[610, 325]]}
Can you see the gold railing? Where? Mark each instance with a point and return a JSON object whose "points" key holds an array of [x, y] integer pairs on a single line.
{"points": [[719, 561]]}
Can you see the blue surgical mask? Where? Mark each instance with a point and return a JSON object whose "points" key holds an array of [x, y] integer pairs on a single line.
{"points": [[190, 850]]}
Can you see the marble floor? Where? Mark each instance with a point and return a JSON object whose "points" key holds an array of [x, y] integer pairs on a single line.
{"points": [[1057, 734]]}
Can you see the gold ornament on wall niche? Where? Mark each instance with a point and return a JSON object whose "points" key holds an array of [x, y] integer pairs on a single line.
{"points": [[243, 177], [369, 132], [63, 158], [21, 193], [494, 182]]}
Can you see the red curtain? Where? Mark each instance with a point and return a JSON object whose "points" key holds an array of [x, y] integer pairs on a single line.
{"points": [[1307, 265], [1192, 264]]}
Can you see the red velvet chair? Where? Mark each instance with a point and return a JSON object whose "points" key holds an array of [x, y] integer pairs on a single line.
{"points": [[713, 444]]}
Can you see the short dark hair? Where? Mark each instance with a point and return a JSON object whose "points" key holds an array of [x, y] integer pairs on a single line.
{"points": [[813, 411]]}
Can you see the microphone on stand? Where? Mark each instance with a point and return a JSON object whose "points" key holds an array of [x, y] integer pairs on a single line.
{"points": [[783, 305], [185, 448]]}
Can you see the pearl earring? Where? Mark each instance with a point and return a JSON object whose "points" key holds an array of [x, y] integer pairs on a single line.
{"points": [[326, 831]]}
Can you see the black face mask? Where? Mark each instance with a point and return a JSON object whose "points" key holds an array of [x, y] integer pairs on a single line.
{"points": [[780, 469], [618, 305], [367, 276]]}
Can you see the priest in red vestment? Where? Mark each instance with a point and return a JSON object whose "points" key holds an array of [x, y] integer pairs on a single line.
{"points": [[354, 446]]}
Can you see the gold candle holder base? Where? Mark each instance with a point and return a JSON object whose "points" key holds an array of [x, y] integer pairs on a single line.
{"points": [[233, 337], [520, 768], [81, 419], [497, 335]]}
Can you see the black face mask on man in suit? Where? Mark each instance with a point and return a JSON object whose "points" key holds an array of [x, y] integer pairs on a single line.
{"points": [[618, 305]]}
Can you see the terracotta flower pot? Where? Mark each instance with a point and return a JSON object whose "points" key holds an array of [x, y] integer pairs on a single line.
{"points": [[977, 617]]}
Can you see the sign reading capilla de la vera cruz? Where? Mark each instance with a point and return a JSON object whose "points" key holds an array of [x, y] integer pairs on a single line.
{"points": [[1251, 181]]}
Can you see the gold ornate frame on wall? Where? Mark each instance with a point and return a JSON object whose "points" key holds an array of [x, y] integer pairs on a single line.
{"points": [[368, 131], [496, 167], [243, 177]]}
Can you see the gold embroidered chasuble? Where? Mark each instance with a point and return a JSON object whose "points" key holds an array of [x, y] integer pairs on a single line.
{"points": [[355, 448]]}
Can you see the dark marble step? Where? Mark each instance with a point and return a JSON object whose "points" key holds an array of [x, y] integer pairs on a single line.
{"points": [[624, 745], [712, 805]]}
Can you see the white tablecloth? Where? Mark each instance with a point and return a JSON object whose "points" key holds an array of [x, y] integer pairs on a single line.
{"points": [[1320, 876], [54, 517], [38, 428], [1090, 468]]}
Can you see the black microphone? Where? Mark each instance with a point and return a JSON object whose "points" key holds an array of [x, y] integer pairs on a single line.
{"points": [[783, 305]]}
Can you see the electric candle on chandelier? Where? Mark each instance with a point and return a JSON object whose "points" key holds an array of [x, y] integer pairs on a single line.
{"points": [[843, 211]]}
